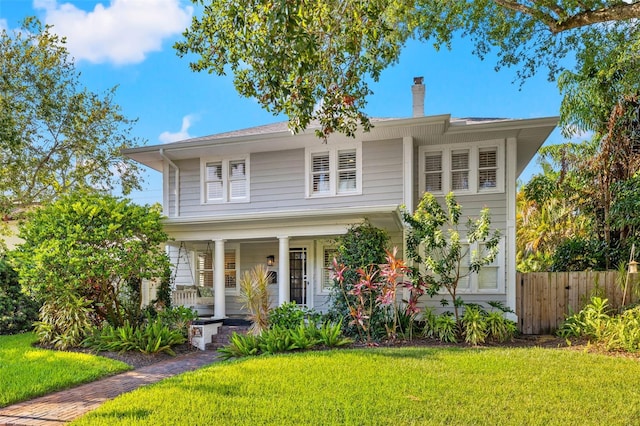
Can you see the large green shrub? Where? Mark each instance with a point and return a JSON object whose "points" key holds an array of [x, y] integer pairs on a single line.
{"points": [[18, 310], [363, 247], [93, 248]]}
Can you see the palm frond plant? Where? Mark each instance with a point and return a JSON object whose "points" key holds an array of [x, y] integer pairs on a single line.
{"points": [[254, 294]]}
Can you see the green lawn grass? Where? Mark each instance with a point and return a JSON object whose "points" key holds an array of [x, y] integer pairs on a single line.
{"points": [[402, 386], [26, 372]]}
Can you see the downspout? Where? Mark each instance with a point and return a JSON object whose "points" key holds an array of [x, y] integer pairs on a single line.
{"points": [[177, 182]]}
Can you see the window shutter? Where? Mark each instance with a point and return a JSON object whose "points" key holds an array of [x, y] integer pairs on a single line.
{"points": [[320, 172], [433, 172], [487, 168], [347, 171], [214, 181], [460, 170], [237, 179]]}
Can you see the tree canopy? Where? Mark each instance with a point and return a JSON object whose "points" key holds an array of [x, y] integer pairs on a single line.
{"points": [[55, 135], [311, 59]]}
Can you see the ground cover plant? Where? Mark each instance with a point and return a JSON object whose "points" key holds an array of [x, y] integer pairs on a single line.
{"points": [[27, 371], [394, 386], [603, 327]]}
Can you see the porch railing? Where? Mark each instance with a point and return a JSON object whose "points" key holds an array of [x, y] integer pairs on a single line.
{"points": [[186, 297]]}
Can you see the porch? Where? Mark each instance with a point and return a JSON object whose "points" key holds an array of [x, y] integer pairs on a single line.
{"points": [[209, 259]]}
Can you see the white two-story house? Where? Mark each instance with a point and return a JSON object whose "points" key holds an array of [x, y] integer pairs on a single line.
{"points": [[264, 196]]}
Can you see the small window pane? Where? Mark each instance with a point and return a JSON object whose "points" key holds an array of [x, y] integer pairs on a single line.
{"points": [[320, 162], [321, 183], [433, 182], [488, 278], [460, 180], [329, 254], [214, 171], [487, 157], [236, 169], [347, 181], [214, 190], [460, 160], [230, 269], [347, 160], [487, 179]]}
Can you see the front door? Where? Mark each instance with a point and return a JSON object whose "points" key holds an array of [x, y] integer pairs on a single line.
{"points": [[298, 275]]}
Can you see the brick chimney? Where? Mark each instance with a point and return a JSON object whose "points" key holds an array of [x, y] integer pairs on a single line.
{"points": [[418, 92]]}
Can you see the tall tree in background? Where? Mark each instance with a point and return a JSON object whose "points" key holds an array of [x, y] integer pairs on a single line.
{"points": [[55, 136], [311, 59]]}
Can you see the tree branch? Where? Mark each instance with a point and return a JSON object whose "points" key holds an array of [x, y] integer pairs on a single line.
{"points": [[619, 12]]}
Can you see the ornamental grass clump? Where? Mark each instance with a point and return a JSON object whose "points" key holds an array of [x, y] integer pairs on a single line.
{"points": [[254, 294]]}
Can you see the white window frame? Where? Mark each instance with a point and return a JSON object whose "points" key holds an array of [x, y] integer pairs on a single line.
{"points": [[473, 278], [197, 270], [333, 152], [201, 271], [321, 289], [226, 179], [474, 169], [232, 248]]}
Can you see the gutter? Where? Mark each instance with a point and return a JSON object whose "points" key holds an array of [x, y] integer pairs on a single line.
{"points": [[177, 183]]}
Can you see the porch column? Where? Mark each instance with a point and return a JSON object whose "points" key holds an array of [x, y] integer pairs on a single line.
{"points": [[219, 308], [510, 255], [283, 271]]}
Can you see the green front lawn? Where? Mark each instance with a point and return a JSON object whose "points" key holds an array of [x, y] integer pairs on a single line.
{"points": [[26, 372], [403, 386]]}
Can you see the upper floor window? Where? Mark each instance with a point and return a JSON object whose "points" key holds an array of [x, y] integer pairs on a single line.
{"points": [[465, 169], [225, 180], [334, 170]]}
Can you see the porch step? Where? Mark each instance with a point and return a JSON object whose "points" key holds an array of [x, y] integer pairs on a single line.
{"points": [[224, 334]]}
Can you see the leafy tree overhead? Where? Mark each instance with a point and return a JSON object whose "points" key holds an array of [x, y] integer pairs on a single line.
{"points": [[312, 59], [55, 135]]}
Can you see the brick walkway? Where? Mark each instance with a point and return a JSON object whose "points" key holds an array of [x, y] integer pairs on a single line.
{"points": [[64, 406]]}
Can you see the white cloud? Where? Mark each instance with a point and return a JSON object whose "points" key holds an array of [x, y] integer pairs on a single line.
{"points": [[187, 120], [4, 25], [123, 32]]}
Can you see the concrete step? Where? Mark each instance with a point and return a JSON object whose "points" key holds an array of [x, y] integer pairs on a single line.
{"points": [[224, 334]]}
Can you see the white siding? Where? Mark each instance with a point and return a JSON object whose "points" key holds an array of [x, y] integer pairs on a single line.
{"points": [[277, 183]]}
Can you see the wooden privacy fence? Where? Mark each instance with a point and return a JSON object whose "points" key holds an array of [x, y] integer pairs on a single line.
{"points": [[544, 299]]}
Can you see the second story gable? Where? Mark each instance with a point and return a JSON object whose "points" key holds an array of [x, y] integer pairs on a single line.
{"points": [[267, 170]]}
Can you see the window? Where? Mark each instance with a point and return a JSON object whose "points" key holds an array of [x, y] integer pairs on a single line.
{"points": [[347, 171], [334, 171], [204, 269], [320, 173], [487, 168], [465, 169], [460, 170], [225, 180], [433, 172], [488, 279], [230, 275], [328, 254]]}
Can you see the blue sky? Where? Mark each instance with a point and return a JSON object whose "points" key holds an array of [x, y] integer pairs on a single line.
{"points": [[128, 43]]}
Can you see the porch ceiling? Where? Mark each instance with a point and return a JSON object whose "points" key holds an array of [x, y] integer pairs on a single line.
{"points": [[304, 223]]}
